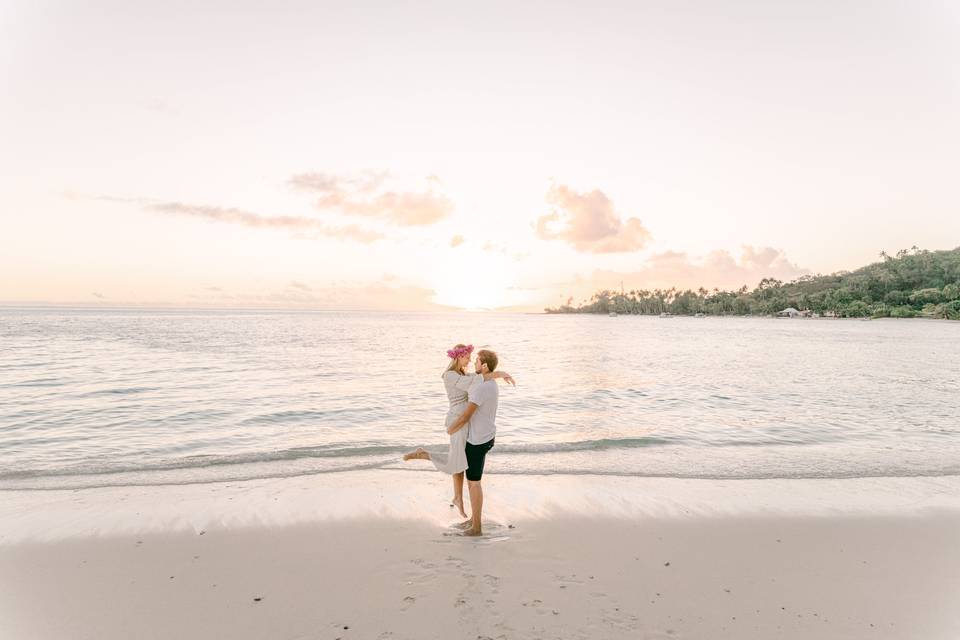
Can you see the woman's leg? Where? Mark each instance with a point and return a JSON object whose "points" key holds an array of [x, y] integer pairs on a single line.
{"points": [[458, 493], [419, 454], [458, 485]]}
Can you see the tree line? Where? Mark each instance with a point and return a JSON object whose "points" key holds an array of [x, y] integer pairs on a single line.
{"points": [[913, 283]]}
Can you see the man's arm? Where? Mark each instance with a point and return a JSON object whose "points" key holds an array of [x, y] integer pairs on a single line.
{"points": [[463, 419]]}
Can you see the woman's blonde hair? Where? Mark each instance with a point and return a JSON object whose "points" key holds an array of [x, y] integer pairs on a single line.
{"points": [[453, 362]]}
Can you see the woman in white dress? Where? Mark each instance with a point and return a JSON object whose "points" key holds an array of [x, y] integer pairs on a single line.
{"points": [[457, 381]]}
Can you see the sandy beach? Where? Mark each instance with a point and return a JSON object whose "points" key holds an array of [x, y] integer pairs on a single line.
{"points": [[372, 555], [688, 271]]}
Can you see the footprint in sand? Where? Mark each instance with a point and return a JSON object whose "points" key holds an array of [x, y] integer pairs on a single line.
{"points": [[407, 603], [537, 605], [492, 581], [420, 562], [618, 619]]}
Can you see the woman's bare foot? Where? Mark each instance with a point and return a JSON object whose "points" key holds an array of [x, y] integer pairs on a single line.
{"points": [[419, 454], [458, 503], [472, 532], [466, 524]]}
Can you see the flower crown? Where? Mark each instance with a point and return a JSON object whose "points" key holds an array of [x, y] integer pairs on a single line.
{"points": [[461, 351]]}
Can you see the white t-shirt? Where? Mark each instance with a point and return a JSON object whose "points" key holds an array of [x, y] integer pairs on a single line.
{"points": [[483, 427]]}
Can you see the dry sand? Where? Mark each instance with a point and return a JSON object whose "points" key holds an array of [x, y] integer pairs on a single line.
{"points": [[371, 555]]}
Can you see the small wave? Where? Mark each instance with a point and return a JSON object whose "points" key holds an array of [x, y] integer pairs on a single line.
{"points": [[517, 458], [291, 416], [329, 451], [119, 391], [39, 382], [150, 480]]}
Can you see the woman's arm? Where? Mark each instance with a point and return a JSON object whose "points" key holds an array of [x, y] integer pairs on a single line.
{"points": [[463, 419], [500, 374]]}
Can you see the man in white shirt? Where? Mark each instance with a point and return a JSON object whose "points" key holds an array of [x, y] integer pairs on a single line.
{"points": [[480, 418]]}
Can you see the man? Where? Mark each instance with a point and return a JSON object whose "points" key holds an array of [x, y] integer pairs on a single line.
{"points": [[480, 418]]}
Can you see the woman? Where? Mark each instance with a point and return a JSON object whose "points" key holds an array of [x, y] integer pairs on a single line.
{"points": [[457, 381]]}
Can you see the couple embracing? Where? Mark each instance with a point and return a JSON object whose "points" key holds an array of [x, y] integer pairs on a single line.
{"points": [[471, 424]]}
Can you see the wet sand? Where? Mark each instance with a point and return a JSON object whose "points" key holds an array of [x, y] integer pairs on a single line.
{"points": [[372, 555]]}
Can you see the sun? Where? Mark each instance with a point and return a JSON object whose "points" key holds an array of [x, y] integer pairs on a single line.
{"points": [[474, 285]]}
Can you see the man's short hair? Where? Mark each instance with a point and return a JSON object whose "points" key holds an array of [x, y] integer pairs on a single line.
{"points": [[488, 358]]}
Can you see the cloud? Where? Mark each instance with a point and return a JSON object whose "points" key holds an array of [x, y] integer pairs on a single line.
{"points": [[250, 219], [364, 182], [456, 241], [494, 247], [664, 270], [589, 223], [299, 285], [97, 294], [230, 215], [364, 195], [717, 269]]}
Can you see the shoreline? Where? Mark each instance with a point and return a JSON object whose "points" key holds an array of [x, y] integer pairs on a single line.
{"points": [[373, 556], [8, 486], [421, 494]]}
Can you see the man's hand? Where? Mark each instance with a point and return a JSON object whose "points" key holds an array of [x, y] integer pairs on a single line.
{"points": [[463, 419]]}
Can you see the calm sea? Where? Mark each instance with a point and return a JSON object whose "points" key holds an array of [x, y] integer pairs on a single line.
{"points": [[112, 397]]}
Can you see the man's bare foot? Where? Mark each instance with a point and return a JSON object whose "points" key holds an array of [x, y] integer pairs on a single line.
{"points": [[419, 454], [458, 503], [472, 532]]}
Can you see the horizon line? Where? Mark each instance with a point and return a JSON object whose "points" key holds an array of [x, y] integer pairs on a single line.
{"points": [[4, 304]]}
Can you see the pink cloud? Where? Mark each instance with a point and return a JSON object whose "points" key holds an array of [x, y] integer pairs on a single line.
{"points": [[364, 195], [250, 219], [301, 286], [589, 223], [231, 215], [717, 269]]}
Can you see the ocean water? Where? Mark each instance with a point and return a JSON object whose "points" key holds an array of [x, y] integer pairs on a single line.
{"points": [[115, 397]]}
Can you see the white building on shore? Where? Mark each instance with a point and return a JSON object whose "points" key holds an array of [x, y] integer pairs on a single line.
{"points": [[789, 312]]}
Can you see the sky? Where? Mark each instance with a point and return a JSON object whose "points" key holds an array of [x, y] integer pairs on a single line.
{"points": [[439, 155]]}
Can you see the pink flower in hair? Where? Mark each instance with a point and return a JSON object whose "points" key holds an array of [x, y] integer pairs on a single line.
{"points": [[462, 351]]}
